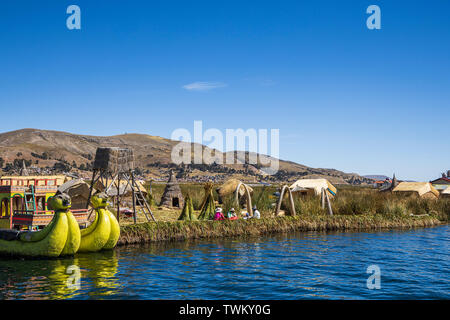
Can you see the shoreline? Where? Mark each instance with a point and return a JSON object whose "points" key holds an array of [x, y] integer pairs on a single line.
{"points": [[185, 230]]}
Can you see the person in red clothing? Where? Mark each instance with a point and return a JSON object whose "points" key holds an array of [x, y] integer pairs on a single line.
{"points": [[219, 215], [231, 215]]}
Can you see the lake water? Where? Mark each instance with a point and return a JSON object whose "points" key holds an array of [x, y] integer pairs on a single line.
{"points": [[414, 264]]}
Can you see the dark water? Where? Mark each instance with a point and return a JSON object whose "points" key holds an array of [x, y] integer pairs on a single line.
{"points": [[414, 264]]}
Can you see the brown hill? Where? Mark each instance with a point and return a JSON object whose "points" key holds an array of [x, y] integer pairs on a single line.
{"points": [[56, 151]]}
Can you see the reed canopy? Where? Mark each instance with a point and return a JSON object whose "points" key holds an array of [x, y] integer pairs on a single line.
{"points": [[313, 187], [230, 186], [420, 189]]}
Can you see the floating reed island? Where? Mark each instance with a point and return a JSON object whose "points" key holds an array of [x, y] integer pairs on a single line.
{"points": [[354, 209], [184, 230]]}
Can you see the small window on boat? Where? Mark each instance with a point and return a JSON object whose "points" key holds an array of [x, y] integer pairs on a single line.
{"points": [[4, 207], [29, 200], [17, 204], [40, 202]]}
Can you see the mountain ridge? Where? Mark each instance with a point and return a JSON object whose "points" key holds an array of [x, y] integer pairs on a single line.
{"points": [[50, 151]]}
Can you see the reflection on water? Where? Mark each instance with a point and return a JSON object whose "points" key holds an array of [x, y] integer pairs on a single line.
{"points": [[48, 278], [311, 265]]}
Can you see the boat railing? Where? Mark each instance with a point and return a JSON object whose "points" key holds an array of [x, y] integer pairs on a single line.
{"points": [[34, 212], [43, 217]]}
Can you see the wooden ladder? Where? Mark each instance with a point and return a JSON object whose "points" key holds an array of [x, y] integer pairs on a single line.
{"points": [[31, 202]]}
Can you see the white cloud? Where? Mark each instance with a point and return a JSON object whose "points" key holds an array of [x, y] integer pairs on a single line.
{"points": [[203, 86]]}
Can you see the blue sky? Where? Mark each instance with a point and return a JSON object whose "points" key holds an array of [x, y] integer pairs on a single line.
{"points": [[343, 96]]}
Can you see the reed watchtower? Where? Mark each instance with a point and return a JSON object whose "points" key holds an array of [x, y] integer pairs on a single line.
{"points": [[114, 169]]}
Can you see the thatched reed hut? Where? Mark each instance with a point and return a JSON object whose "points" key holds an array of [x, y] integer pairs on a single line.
{"points": [[313, 187], [172, 196], [230, 186], [420, 189], [78, 190], [242, 193]]}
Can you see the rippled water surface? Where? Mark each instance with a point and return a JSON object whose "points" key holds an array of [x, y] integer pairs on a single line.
{"points": [[414, 265]]}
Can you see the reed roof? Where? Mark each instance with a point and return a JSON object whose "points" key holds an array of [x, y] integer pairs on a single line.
{"points": [[230, 186], [421, 188], [75, 188], [313, 184], [172, 190]]}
